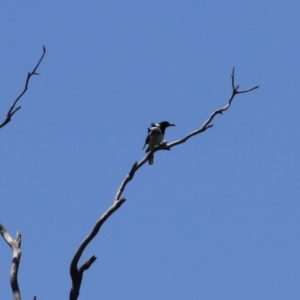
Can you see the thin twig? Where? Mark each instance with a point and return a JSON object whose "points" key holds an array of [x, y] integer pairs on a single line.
{"points": [[16, 248], [13, 108]]}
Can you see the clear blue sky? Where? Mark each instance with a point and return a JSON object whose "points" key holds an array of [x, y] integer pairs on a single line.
{"points": [[215, 218]]}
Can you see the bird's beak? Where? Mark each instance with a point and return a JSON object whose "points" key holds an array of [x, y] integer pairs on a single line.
{"points": [[171, 124]]}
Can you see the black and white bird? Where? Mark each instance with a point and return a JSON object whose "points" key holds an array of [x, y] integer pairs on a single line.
{"points": [[155, 136]]}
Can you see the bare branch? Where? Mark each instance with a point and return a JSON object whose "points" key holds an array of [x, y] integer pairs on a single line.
{"points": [[16, 248], [208, 124], [77, 273], [13, 108], [166, 146]]}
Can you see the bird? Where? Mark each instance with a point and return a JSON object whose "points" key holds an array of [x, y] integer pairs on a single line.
{"points": [[155, 136]]}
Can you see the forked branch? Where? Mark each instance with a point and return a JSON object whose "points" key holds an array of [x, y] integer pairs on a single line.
{"points": [[13, 108], [16, 248], [77, 273], [207, 124]]}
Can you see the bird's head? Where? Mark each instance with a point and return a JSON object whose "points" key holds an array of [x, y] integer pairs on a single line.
{"points": [[165, 124]]}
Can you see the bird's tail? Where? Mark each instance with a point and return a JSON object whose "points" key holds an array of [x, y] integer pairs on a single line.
{"points": [[151, 159]]}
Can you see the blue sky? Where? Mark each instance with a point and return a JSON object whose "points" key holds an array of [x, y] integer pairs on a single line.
{"points": [[216, 217]]}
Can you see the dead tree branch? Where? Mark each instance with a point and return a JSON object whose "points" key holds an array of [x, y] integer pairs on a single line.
{"points": [[207, 124], [166, 146], [16, 248], [77, 273], [13, 108]]}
